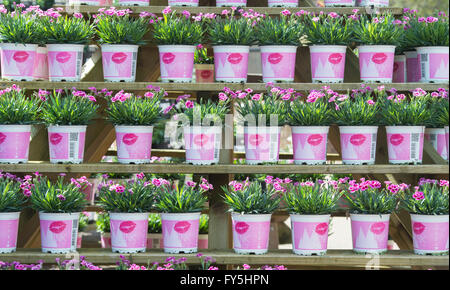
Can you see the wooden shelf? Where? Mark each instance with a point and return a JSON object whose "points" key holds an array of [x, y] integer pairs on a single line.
{"points": [[47, 167], [396, 258]]}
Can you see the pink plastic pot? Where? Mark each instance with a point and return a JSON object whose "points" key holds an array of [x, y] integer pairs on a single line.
{"points": [[155, 241], [358, 144], [14, 143], [192, 3], [339, 3], [437, 138], [230, 3], [374, 3], [105, 240], [134, 3], [177, 63], [309, 234], [180, 232], [87, 2], [65, 62], [262, 144], [433, 64], [376, 63], [251, 233], [66, 143], [119, 62], [327, 63], [412, 67], [310, 144], [91, 190], [278, 63], [9, 226], [399, 73], [370, 233], [231, 63], [203, 241], [202, 144], [79, 240], [41, 64], [283, 3], [128, 232], [430, 234], [405, 144], [134, 144], [59, 232], [17, 61], [447, 142], [204, 73]]}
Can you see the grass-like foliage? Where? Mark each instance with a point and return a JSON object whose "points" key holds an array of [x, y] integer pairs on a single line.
{"points": [[429, 31], [12, 198], [429, 198], [176, 29], [202, 113], [328, 29], [103, 223], [201, 55], [203, 227], [154, 223], [283, 30], [16, 108], [440, 113], [316, 110], [20, 27], [67, 29], [378, 30]]}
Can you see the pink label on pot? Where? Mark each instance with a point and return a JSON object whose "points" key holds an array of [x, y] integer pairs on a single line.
{"points": [[134, 145], [376, 64], [14, 145], [64, 64], [57, 234], [231, 65], [251, 235], [118, 64], [370, 235], [262, 146], [175, 2], [17, 63], [105, 242], [203, 243], [412, 70], [283, 1], [201, 146], [358, 146], [438, 65], [41, 66], [177, 64], [310, 235], [66, 146], [79, 240], [328, 65], [309, 146], [8, 233], [129, 234], [278, 65], [399, 72], [407, 147], [430, 236], [231, 2], [439, 143], [180, 234], [204, 76], [338, 2]]}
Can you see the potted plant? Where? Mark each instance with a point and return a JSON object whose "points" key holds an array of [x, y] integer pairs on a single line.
{"points": [[66, 37], [436, 130], [310, 120], [358, 118], [177, 37], [17, 113], [428, 205], [373, 3], [370, 208], [154, 236], [20, 37], [59, 205], [192, 3], [405, 119], [67, 116], [339, 3], [278, 39], [103, 227], [86, 2], [376, 50], [180, 209], [232, 37], [399, 73], [82, 225], [134, 117], [328, 36], [130, 2], [231, 3], [128, 205], [12, 201], [310, 206], [282, 3], [251, 206], [203, 231], [204, 65]]}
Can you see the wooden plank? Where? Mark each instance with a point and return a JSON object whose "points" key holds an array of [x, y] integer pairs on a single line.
{"points": [[430, 155]]}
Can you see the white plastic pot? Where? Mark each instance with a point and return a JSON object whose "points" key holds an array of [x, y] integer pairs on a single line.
{"points": [[433, 64], [412, 67], [134, 144], [370, 233], [129, 232], [41, 64], [339, 3], [231, 63], [9, 227], [374, 3], [202, 144], [283, 3], [405, 144], [180, 232], [192, 3], [376, 63], [17, 61], [134, 3], [399, 73], [310, 144], [278, 63], [436, 136], [66, 143], [177, 63], [262, 144], [358, 144], [204, 73], [327, 63], [230, 3], [59, 232], [86, 2], [430, 234], [251, 233], [14, 143], [119, 62], [65, 62], [309, 234]]}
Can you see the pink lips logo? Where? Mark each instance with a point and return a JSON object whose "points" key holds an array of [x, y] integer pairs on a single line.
{"points": [[168, 57], [235, 58], [396, 66], [256, 139], [315, 139], [206, 74], [182, 227], [322, 228], [129, 139], [55, 138], [379, 58], [119, 57], [418, 228], [57, 227], [62, 57], [201, 139], [275, 58], [396, 139], [127, 227], [241, 227], [2, 138], [335, 58], [358, 139], [20, 56], [377, 228]]}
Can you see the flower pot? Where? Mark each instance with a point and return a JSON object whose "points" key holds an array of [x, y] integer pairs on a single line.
{"points": [[370, 233], [433, 64], [66, 143], [155, 241], [405, 144], [128, 232], [339, 3], [436, 136], [327, 63], [309, 234], [278, 63], [358, 144], [412, 67], [430, 234], [230, 3], [310, 144], [376, 63], [134, 144], [251, 233], [283, 3], [41, 64], [14, 143], [79, 240], [119, 62], [105, 240], [85, 2], [9, 226], [447, 142], [192, 3], [399, 72], [180, 232], [262, 144], [374, 3], [177, 63], [59, 232], [17, 61], [204, 73], [231, 63], [91, 190], [203, 241], [202, 144], [134, 3], [65, 62]]}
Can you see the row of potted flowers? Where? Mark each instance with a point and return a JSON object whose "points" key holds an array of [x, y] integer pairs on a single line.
{"points": [[232, 33]]}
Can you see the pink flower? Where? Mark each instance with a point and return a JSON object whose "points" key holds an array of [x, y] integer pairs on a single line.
{"points": [[223, 97], [190, 183], [418, 195], [246, 267], [256, 97], [189, 104], [167, 10], [370, 102], [156, 182], [78, 15], [61, 197]]}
